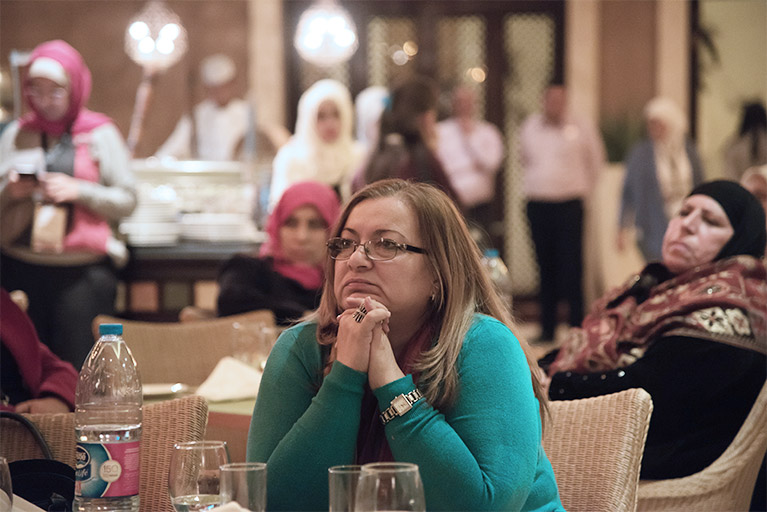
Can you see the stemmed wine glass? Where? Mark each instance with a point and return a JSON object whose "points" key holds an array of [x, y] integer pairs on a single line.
{"points": [[390, 486], [194, 476], [6, 490], [342, 487]]}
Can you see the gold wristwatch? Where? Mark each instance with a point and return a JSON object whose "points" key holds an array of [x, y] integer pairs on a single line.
{"points": [[400, 405]]}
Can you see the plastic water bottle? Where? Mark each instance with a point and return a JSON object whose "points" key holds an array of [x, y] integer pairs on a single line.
{"points": [[499, 274], [108, 414]]}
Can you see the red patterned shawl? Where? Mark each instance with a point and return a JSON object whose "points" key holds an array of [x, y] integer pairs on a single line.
{"points": [[724, 301]]}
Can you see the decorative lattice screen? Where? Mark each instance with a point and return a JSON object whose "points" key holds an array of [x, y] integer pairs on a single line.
{"points": [[311, 73], [529, 45], [386, 36], [461, 50]]}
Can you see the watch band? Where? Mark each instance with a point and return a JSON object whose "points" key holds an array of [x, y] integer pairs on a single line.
{"points": [[400, 405]]}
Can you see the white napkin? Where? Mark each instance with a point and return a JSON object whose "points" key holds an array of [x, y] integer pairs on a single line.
{"points": [[231, 379], [232, 506], [20, 504]]}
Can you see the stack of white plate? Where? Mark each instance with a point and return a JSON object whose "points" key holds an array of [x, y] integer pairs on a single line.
{"points": [[152, 210], [150, 234], [219, 227], [153, 223]]}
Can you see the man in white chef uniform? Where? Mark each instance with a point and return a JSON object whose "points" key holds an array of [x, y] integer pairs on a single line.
{"points": [[219, 123]]}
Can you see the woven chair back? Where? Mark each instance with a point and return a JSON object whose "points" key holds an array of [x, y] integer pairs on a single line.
{"points": [[164, 424], [595, 446], [186, 352], [58, 430]]}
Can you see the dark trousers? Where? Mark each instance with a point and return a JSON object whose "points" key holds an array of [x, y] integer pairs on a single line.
{"points": [[557, 232], [63, 302]]}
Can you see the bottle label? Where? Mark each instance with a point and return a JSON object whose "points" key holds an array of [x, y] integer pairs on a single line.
{"points": [[107, 470]]}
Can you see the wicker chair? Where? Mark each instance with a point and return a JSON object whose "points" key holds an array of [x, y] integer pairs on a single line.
{"points": [[164, 423], [185, 352], [727, 484], [595, 446], [17, 443]]}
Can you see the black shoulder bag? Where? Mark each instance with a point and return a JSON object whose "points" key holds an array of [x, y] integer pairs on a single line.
{"points": [[46, 483]]}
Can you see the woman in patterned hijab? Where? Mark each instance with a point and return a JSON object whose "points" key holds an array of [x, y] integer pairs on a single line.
{"points": [[691, 330]]}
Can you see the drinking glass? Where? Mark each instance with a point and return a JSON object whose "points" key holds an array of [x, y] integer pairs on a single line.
{"points": [[342, 487], [193, 479], [390, 486], [252, 342], [245, 483], [6, 489]]}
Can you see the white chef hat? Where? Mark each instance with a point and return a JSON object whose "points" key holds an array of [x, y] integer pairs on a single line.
{"points": [[217, 69], [45, 67]]}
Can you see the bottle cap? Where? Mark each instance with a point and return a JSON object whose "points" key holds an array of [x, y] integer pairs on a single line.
{"points": [[110, 329], [491, 253]]}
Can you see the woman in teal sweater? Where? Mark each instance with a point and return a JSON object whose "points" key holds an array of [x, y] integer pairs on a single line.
{"points": [[407, 316]]}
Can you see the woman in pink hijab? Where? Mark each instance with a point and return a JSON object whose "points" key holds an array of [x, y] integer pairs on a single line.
{"points": [[288, 273], [65, 180]]}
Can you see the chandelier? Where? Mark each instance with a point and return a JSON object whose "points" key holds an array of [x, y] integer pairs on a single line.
{"points": [[326, 34], [155, 38]]}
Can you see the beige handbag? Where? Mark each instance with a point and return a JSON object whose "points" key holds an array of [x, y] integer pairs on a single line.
{"points": [[49, 228]]}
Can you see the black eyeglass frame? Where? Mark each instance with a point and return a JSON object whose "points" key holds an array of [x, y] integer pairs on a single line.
{"points": [[355, 245]]}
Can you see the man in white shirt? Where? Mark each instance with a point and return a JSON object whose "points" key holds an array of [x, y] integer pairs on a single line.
{"points": [[471, 151], [219, 123], [561, 159]]}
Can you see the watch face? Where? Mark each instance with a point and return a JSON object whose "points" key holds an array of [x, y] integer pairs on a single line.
{"points": [[400, 405]]}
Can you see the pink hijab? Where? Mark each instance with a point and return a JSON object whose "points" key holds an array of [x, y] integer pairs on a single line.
{"points": [[310, 193], [78, 117]]}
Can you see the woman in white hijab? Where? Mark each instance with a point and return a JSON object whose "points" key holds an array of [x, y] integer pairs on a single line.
{"points": [[660, 171], [322, 148]]}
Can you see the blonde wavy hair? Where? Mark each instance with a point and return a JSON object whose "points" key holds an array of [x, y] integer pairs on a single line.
{"points": [[464, 288]]}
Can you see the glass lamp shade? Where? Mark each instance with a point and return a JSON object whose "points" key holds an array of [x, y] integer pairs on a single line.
{"points": [[326, 35], [155, 38]]}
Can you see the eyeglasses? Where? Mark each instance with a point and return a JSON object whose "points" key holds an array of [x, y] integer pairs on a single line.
{"points": [[382, 249], [57, 93]]}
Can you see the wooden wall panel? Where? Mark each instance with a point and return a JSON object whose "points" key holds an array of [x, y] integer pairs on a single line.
{"points": [[628, 56]]}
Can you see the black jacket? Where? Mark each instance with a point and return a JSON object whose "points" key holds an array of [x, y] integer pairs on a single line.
{"points": [[247, 284]]}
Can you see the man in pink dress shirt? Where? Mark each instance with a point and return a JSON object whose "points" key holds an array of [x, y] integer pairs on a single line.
{"points": [[471, 152], [561, 158]]}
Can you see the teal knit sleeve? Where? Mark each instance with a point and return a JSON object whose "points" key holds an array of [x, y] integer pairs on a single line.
{"points": [[483, 453], [302, 424]]}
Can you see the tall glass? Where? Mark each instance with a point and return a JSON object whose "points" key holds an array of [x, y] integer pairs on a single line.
{"points": [[252, 342], [194, 476], [342, 487], [390, 486], [6, 489], [244, 483]]}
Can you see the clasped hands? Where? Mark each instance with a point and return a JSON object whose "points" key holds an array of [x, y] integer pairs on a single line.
{"points": [[363, 343], [56, 187]]}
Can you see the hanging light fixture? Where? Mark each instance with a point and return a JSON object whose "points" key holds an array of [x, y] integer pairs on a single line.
{"points": [[326, 34], [155, 40]]}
